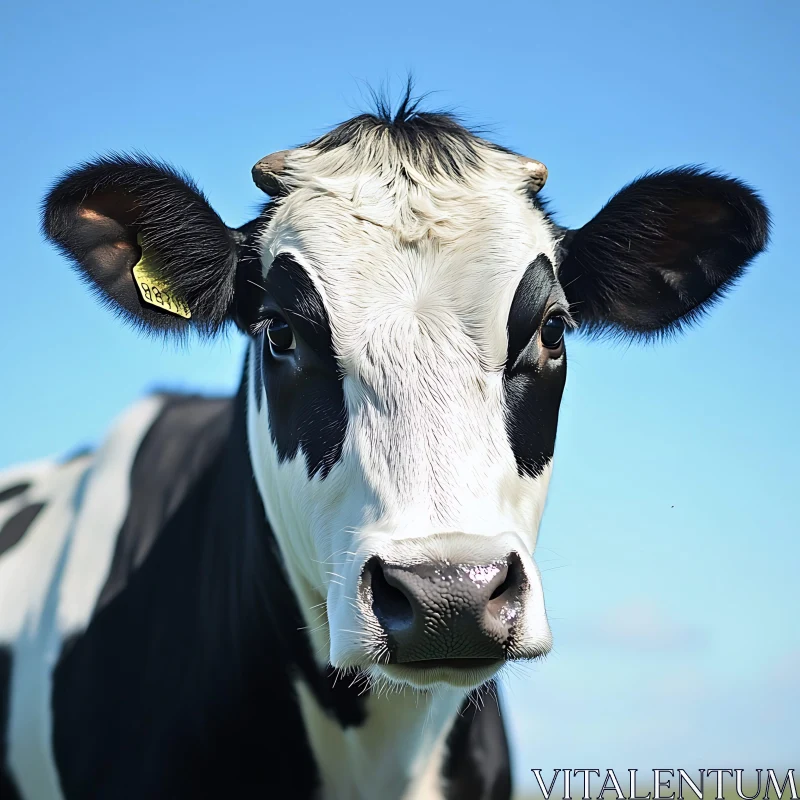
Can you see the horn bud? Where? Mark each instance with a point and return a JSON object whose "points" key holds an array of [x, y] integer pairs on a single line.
{"points": [[537, 172], [267, 173]]}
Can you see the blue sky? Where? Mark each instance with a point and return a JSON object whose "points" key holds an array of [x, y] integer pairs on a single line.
{"points": [[671, 543]]}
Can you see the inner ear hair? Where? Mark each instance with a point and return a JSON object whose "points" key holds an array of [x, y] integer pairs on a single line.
{"points": [[105, 214]]}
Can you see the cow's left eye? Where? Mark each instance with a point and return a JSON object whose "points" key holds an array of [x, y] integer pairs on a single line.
{"points": [[281, 338], [553, 332]]}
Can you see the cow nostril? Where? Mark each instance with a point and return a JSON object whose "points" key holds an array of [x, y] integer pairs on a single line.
{"points": [[390, 605], [510, 589], [504, 587]]}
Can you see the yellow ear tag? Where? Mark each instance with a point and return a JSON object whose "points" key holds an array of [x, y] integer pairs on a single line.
{"points": [[154, 290]]}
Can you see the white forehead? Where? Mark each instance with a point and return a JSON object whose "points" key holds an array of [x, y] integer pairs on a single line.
{"points": [[388, 243]]}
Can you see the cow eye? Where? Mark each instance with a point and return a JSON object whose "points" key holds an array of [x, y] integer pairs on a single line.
{"points": [[281, 338], [553, 332]]}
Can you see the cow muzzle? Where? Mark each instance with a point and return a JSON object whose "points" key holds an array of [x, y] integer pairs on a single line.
{"points": [[441, 614]]}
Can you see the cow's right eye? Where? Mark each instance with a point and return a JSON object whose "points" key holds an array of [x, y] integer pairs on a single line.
{"points": [[280, 335]]}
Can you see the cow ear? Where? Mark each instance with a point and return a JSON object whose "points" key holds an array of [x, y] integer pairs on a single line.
{"points": [[147, 240], [662, 251]]}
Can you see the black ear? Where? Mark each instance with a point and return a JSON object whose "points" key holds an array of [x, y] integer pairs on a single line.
{"points": [[118, 212], [662, 251]]}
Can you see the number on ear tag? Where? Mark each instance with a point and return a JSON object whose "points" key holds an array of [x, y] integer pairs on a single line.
{"points": [[154, 290]]}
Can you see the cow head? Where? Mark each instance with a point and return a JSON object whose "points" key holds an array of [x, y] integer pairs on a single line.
{"points": [[406, 298]]}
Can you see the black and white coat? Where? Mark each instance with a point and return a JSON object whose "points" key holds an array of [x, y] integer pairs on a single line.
{"points": [[307, 590]]}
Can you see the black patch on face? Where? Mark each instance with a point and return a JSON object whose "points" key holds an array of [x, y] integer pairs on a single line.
{"points": [[7, 789], [182, 686], [17, 525], [478, 766], [304, 389], [533, 384], [13, 491]]}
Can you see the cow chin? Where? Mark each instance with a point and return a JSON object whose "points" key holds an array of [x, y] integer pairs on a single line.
{"points": [[457, 673]]}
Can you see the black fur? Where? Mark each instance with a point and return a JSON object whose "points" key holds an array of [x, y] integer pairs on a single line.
{"points": [[533, 384], [662, 252], [304, 389], [16, 526], [478, 766], [7, 789], [13, 491], [94, 214]]}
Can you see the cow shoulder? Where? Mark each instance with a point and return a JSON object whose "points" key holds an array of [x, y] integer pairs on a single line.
{"points": [[174, 681]]}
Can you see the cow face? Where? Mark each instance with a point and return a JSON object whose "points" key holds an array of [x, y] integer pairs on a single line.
{"points": [[407, 367], [406, 300]]}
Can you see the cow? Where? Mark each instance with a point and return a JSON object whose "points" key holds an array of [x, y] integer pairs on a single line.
{"points": [[308, 590]]}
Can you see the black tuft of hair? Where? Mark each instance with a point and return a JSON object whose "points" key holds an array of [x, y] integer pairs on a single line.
{"points": [[408, 105], [438, 143]]}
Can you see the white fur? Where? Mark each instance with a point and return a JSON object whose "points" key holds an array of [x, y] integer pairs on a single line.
{"points": [[417, 276], [391, 754]]}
